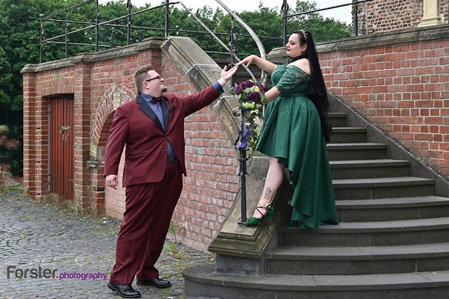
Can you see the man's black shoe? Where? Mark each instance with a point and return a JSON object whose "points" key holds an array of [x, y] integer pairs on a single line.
{"points": [[124, 290], [155, 282]]}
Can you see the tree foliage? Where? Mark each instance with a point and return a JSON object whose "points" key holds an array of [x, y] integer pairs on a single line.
{"points": [[20, 46], [21, 33]]}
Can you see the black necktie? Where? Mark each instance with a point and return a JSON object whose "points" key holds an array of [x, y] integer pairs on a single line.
{"points": [[156, 100]]}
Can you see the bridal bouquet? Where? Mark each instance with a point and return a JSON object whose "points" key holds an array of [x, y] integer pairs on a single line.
{"points": [[251, 95]]}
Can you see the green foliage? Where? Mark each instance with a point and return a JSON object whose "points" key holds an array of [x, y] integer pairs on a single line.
{"points": [[20, 44], [10, 151], [323, 29], [266, 24], [21, 31]]}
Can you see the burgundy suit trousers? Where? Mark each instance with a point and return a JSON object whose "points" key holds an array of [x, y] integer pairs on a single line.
{"points": [[149, 209]]}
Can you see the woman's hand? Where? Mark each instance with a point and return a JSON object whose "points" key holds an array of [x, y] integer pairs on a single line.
{"points": [[247, 61], [263, 64]]}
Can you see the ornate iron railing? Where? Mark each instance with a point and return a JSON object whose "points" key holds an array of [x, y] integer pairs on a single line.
{"points": [[355, 18]]}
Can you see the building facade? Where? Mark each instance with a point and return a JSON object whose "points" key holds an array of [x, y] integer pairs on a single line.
{"points": [[396, 77]]}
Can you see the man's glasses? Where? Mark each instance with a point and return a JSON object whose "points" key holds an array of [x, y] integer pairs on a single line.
{"points": [[151, 79]]}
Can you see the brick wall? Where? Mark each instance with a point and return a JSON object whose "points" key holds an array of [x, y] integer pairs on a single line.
{"points": [[397, 81], [400, 83], [394, 15], [99, 84], [212, 182]]}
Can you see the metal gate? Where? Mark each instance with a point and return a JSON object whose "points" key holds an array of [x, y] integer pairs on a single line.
{"points": [[61, 147]]}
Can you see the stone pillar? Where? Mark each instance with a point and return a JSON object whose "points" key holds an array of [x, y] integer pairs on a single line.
{"points": [[82, 108], [33, 143], [431, 13]]}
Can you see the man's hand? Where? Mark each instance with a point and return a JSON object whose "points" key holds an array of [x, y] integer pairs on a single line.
{"points": [[227, 75], [112, 180]]}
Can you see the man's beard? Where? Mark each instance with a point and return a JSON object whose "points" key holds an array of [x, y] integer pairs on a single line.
{"points": [[164, 89]]}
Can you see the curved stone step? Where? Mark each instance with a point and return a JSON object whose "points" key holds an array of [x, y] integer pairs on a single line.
{"points": [[356, 151], [300, 260], [390, 209], [374, 188], [352, 169], [348, 134], [354, 234], [203, 280], [338, 119]]}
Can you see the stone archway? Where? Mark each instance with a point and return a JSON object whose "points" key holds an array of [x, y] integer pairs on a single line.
{"points": [[101, 121]]}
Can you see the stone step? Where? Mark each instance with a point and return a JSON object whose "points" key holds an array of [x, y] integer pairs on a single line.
{"points": [[347, 169], [356, 151], [300, 260], [375, 188], [348, 134], [355, 234], [203, 280], [388, 209], [338, 119]]}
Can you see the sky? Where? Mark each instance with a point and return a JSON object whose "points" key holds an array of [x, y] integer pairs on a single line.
{"points": [[342, 14]]}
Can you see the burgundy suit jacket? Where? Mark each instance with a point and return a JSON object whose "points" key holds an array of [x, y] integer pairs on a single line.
{"points": [[136, 126]]}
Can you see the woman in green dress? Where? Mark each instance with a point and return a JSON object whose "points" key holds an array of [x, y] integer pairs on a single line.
{"points": [[294, 135]]}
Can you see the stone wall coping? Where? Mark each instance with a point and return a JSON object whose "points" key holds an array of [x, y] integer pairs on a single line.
{"points": [[369, 41], [92, 57]]}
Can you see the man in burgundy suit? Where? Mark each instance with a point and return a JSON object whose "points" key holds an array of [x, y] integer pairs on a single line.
{"points": [[152, 128]]}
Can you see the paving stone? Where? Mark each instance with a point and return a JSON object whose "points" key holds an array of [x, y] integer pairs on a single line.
{"points": [[39, 241]]}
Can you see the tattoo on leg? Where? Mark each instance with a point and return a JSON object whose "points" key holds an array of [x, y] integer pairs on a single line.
{"points": [[267, 193]]}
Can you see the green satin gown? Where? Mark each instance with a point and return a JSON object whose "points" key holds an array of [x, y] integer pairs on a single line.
{"points": [[292, 133]]}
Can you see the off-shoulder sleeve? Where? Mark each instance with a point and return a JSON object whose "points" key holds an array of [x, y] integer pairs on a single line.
{"points": [[291, 78]]}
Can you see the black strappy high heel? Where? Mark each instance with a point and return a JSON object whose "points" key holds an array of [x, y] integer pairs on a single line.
{"points": [[256, 221]]}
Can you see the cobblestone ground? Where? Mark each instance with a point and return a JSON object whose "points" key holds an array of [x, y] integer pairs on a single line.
{"points": [[61, 248]]}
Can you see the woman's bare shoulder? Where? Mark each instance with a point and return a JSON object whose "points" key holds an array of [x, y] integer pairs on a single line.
{"points": [[303, 64]]}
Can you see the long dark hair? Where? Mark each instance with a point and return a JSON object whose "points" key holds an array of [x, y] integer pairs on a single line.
{"points": [[317, 87]]}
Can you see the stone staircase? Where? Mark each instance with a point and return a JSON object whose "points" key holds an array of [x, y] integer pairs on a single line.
{"points": [[392, 242]]}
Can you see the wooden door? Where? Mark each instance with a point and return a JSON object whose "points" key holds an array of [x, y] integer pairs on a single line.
{"points": [[61, 147]]}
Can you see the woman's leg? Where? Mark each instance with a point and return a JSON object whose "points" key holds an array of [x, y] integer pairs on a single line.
{"points": [[273, 181]]}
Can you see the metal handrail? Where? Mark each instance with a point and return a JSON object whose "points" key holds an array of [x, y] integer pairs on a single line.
{"points": [[259, 44], [96, 25], [242, 150], [354, 3], [231, 49]]}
